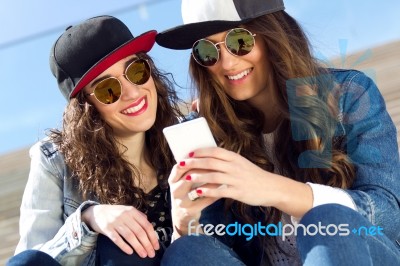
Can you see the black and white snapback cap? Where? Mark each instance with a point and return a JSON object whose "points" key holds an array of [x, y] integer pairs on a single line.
{"points": [[202, 18]]}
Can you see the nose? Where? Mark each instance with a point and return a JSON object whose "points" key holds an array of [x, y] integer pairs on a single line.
{"points": [[129, 90], [228, 60]]}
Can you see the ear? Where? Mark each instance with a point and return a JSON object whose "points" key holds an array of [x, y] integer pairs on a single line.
{"points": [[195, 106]]}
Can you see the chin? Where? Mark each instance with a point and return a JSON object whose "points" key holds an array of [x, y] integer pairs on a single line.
{"points": [[146, 125], [240, 97]]}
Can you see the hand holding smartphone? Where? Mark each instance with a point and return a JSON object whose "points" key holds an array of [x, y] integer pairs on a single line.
{"points": [[185, 137]]}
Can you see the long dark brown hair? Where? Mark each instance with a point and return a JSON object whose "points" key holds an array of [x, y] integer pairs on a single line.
{"points": [[91, 150], [308, 125]]}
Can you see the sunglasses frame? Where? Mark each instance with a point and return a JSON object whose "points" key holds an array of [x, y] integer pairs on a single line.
{"points": [[146, 61], [216, 45]]}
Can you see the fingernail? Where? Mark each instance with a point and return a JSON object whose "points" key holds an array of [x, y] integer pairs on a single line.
{"points": [[199, 191], [182, 163], [188, 178], [191, 154]]}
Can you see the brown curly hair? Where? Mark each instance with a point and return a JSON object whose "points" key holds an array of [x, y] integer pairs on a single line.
{"points": [[90, 148], [238, 126]]}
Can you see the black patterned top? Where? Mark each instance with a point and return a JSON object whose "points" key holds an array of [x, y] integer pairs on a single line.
{"points": [[159, 214]]}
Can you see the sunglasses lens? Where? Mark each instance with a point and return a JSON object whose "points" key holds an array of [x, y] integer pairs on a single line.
{"points": [[205, 52], [239, 41], [138, 72], [108, 91]]}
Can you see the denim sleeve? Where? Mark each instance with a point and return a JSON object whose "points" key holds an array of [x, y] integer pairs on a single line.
{"points": [[42, 222], [370, 141]]}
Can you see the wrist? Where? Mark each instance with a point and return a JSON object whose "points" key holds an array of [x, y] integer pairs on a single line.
{"points": [[86, 215], [295, 198], [184, 228]]}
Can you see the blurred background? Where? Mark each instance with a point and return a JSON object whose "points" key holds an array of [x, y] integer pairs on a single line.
{"points": [[354, 34]]}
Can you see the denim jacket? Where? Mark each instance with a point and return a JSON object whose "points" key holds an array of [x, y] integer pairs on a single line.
{"points": [[369, 139], [371, 144], [51, 208]]}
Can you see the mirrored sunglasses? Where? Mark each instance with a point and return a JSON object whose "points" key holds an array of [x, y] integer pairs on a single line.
{"points": [[109, 90], [238, 42]]}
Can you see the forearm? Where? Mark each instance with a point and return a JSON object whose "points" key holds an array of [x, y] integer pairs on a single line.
{"points": [[296, 198]]}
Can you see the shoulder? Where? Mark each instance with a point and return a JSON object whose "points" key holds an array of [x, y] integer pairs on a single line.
{"points": [[44, 148], [349, 76], [47, 154], [353, 87]]}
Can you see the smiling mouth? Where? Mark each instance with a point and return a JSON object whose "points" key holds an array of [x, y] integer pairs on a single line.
{"points": [[240, 75], [137, 108]]}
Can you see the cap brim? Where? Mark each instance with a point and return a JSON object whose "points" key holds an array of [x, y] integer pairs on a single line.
{"points": [[182, 37], [142, 43]]}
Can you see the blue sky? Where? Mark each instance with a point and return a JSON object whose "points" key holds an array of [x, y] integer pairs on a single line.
{"points": [[31, 100]]}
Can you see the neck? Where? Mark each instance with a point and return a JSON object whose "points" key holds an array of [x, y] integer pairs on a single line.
{"points": [[135, 152], [133, 148], [265, 102]]}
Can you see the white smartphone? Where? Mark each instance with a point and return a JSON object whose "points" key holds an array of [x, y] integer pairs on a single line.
{"points": [[187, 136]]}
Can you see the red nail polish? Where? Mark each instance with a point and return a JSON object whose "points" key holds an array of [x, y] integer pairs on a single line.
{"points": [[191, 154], [182, 163], [199, 191], [188, 178]]}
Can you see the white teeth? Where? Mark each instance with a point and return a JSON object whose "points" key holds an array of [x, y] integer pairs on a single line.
{"points": [[240, 75], [135, 108]]}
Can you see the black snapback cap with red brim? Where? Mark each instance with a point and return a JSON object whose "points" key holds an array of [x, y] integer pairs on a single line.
{"points": [[84, 51], [202, 18]]}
